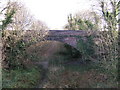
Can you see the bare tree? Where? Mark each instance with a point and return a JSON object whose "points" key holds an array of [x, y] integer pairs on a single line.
{"points": [[38, 25], [109, 10], [38, 30], [21, 19]]}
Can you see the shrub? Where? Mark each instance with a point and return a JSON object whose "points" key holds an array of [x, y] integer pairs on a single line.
{"points": [[108, 51], [86, 47], [101, 48], [13, 49]]}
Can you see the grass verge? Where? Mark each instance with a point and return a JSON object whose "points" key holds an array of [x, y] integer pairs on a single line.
{"points": [[20, 78]]}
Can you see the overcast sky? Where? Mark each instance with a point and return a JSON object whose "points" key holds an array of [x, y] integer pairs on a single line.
{"points": [[54, 12]]}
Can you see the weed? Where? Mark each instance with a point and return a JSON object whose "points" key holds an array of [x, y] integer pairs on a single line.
{"points": [[86, 47], [16, 78]]}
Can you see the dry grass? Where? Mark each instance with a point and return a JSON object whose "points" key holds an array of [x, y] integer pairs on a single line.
{"points": [[68, 79], [44, 50]]}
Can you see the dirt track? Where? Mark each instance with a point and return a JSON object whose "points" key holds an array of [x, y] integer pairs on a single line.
{"points": [[48, 54]]}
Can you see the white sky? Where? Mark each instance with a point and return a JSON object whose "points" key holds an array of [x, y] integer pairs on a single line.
{"points": [[54, 12]]}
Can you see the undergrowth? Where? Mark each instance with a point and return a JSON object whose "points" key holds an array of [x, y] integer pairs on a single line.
{"points": [[17, 70], [20, 78], [102, 49]]}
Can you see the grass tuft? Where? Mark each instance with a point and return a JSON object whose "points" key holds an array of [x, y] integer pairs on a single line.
{"points": [[20, 78]]}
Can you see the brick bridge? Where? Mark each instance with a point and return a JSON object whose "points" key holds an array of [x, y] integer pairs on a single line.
{"points": [[69, 37], [66, 36]]}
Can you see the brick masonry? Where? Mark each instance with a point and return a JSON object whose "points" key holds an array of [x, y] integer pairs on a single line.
{"points": [[67, 36]]}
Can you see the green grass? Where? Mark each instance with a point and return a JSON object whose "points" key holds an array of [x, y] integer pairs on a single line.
{"points": [[81, 68], [0, 76], [21, 78]]}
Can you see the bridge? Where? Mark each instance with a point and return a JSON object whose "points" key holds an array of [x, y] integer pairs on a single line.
{"points": [[69, 37], [66, 36]]}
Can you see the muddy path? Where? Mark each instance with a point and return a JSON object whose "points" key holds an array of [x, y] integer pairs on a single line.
{"points": [[48, 52], [45, 63]]}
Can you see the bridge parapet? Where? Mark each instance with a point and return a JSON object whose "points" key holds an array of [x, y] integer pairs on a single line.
{"points": [[67, 32]]}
